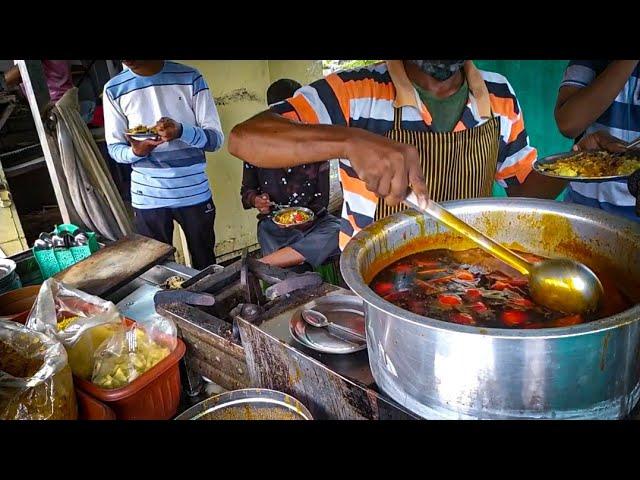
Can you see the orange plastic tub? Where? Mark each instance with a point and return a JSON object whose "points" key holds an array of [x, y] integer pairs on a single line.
{"points": [[16, 304], [91, 409], [154, 395]]}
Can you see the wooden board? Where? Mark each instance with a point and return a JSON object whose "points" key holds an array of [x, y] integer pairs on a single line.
{"points": [[115, 265]]}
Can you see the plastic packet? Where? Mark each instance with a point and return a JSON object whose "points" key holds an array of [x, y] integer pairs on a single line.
{"points": [[35, 378], [81, 322], [133, 351]]}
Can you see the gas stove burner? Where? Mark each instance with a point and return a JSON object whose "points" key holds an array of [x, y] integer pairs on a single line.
{"points": [[248, 311]]}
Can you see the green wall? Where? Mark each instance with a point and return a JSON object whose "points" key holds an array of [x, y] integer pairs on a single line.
{"points": [[536, 85]]}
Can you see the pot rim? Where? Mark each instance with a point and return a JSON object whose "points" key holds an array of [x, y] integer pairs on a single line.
{"points": [[355, 281], [246, 395]]}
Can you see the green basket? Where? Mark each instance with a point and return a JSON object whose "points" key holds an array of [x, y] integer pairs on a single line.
{"points": [[55, 260]]}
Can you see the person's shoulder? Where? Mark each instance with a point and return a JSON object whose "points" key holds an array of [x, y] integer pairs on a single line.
{"points": [[595, 65], [125, 76], [497, 84], [376, 72], [493, 78]]}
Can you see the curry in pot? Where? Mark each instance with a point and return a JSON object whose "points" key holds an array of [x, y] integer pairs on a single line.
{"points": [[471, 287]]}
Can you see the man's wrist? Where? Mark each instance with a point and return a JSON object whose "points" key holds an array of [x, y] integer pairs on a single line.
{"points": [[187, 133], [134, 157]]}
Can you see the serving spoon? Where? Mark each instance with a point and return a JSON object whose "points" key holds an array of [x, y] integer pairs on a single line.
{"points": [[318, 319], [560, 284]]}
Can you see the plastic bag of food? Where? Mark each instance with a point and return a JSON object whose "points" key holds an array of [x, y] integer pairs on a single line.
{"points": [[81, 322], [35, 378], [133, 351]]}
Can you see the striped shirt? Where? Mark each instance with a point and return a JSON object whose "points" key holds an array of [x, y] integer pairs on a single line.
{"points": [[173, 174], [622, 120], [365, 98]]}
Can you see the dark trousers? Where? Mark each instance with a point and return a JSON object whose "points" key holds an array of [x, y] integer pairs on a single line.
{"points": [[196, 221]]}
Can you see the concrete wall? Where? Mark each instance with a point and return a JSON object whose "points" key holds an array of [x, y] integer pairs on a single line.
{"points": [[303, 71], [239, 88]]}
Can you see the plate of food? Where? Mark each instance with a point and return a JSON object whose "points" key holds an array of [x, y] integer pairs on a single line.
{"points": [[589, 166], [292, 217], [142, 132]]}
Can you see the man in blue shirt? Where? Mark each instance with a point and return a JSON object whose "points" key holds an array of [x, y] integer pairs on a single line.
{"points": [[168, 179]]}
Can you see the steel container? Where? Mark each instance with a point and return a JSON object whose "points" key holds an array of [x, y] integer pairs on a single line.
{"points": [[441, 370], [248, 404]]}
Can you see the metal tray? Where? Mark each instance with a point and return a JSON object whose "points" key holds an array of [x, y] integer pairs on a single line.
{"points": [[248, 404], [347, 310], [553, 158]]}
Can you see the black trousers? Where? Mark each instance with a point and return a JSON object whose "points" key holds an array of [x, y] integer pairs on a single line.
{"points": [[197, 221]]}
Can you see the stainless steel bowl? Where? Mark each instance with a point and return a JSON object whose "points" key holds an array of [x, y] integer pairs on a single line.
{"points": [[443, 370], [248, 404], [9, 279], [7, 268], [292, 209]]}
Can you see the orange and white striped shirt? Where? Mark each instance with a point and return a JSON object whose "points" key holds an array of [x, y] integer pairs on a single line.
{"points": [[366, 97]]}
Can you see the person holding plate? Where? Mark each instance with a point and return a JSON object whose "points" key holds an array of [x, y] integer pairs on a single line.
{"points": [[168, 178], [305, 185], [599, 105]]}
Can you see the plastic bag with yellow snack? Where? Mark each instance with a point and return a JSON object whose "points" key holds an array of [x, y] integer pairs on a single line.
{"points": [[131, 352], [81, 322], [35, 379]]}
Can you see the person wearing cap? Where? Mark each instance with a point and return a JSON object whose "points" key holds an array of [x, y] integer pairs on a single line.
{"points": [[300, 186], [441, 124]]}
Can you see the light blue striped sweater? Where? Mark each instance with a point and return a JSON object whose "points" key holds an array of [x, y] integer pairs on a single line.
{"points": [[173, 175]]}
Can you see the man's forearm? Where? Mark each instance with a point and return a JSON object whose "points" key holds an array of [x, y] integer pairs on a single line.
{"points": [[123, 153], [575, 113], [271, 141]]}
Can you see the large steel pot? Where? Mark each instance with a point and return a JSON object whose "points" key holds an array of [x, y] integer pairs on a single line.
{"points": [[441, 370]]}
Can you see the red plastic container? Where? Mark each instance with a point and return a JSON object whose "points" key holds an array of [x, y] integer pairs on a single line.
{"points": [[91, 409], [154, 395], [16, 304]]}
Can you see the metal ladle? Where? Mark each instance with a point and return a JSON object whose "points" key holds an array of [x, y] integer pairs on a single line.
{"points": [[560, 284]]}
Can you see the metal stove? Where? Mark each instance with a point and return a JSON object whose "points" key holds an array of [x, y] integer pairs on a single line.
{"points": [[243, 340]]}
